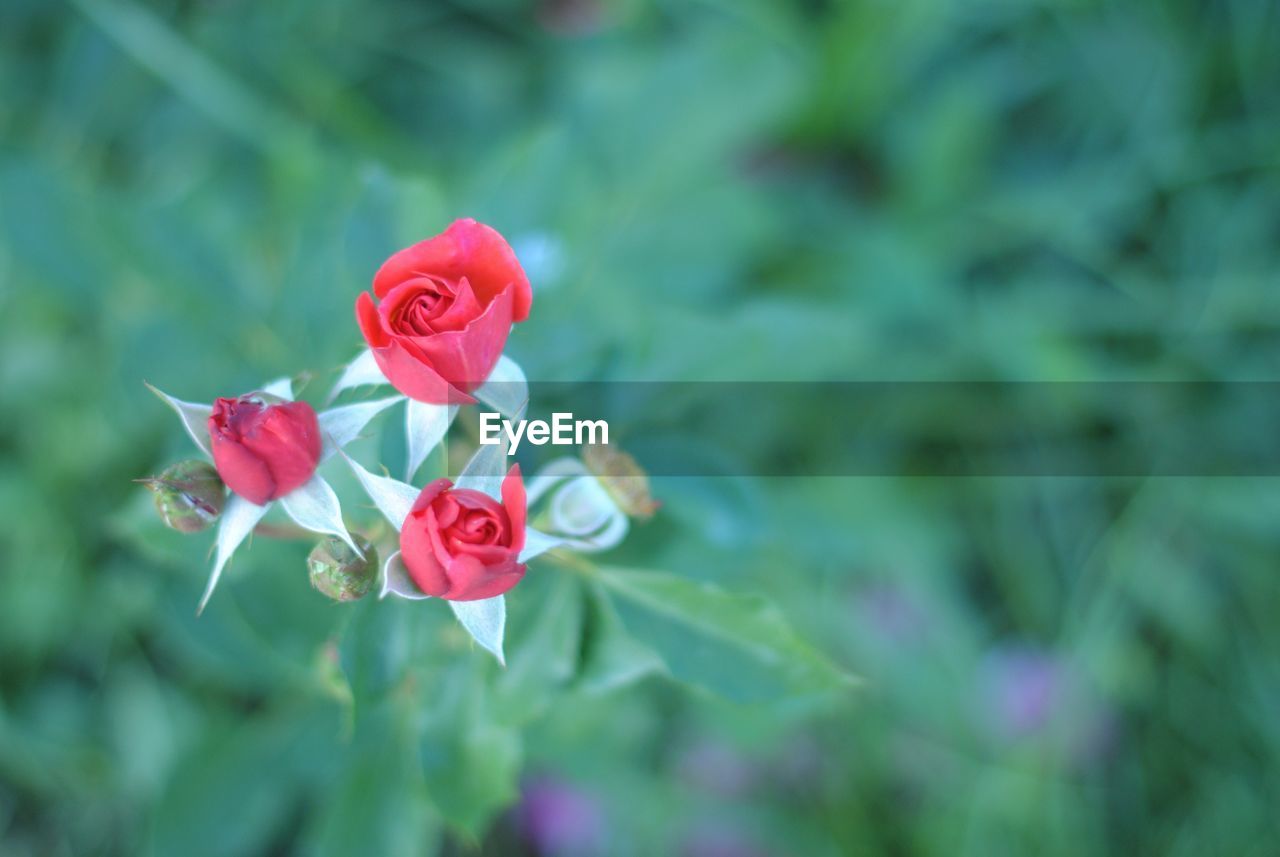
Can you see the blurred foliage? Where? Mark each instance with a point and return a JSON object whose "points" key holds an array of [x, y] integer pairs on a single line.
{"points": [[193, 192]]}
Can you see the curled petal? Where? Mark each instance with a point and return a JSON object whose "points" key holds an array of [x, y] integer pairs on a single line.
{"points": [[429, 493], [582, 506], [589, 518], [513, 501], [554, 473], [612, 535], [464, 308], [370, 321]]}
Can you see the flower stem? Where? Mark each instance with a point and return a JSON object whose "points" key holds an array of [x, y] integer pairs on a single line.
{"points": [[573, 562]]}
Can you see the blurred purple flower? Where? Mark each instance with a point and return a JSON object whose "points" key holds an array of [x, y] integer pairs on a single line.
{"points": [[715, 767], [798, 766], [890, 612], [1028, 692], [720, 841], [1025, 686], [560, 820]]}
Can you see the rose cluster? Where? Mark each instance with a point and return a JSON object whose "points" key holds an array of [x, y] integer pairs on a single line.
{"points": [[435, 326]]}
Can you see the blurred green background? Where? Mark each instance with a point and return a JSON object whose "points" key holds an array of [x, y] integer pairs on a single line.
{"points": [[194, 192]]}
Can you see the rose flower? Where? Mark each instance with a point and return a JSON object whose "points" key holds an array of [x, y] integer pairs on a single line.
{"points": [[263, 450], [463, 545], [445, 308]]}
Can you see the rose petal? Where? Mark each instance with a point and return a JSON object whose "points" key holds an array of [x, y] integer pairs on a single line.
{"points": [[420, 551], [481, 584], [286, 438], [370, 321], [396, 308], [429, 493], [467, 357], [461, 311], [466, 249], [513, 502], [490, 556], [245, 473], [412, 375]]}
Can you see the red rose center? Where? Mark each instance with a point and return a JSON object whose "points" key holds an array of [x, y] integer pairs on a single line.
{"points": [[236, 416], [417, 315], [471, 518], [425, 306], [477, 528]]}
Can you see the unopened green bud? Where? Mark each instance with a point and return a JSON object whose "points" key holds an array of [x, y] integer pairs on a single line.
{"points": [[189, 495], [623, 479], [338, 572]]}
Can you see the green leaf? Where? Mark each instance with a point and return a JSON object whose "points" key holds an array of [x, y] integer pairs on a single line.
{"points": [[611, 657], [376, 805], [236, 790], [374, 649], [739, 646], [544, 659], [148, 39], [470, 760]]}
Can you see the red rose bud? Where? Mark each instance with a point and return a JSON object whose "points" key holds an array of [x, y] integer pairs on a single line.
{"points": [[264, 450], [462, 545], [189, 495], [338, 572], [446, 307]]}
